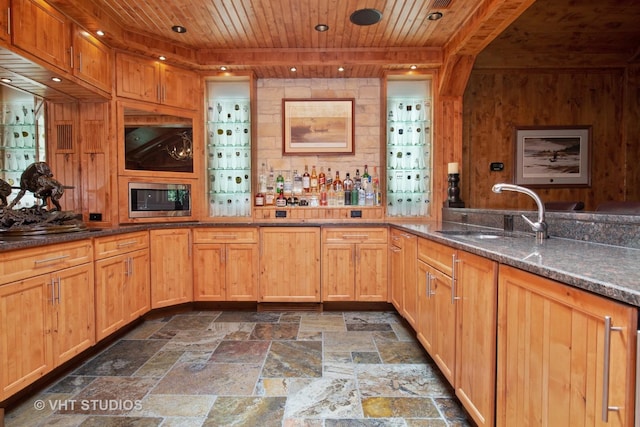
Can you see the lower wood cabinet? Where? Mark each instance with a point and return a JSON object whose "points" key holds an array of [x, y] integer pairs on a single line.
{"points": [[354, 264], [225, 264], [289, 264], [171, 267], [45, 319], [457, 322], [563, 355], [122, 281], [403, 286]]}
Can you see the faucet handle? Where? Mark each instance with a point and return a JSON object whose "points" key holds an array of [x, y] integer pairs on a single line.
{"points": [[536, 226]]}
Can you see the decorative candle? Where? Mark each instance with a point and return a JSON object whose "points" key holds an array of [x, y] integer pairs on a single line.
{"points": [[452, 168]]}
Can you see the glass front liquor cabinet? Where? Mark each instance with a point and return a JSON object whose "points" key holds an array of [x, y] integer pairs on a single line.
{"points": [[408, 144], [228, 142]]}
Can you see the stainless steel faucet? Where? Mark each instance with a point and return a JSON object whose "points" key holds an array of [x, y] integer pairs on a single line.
{"points": [[540, 226]]}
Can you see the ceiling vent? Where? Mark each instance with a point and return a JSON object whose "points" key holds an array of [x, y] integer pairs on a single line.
{"points": [[441, 4]]}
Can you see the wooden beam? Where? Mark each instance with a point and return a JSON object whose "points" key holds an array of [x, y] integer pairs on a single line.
{"points": [[428, 57], [455, 74]]}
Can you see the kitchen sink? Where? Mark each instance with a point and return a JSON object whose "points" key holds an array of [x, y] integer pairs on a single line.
{"points": [[484, 234]]}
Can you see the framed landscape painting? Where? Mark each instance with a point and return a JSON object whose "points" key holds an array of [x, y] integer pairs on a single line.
{"points": [[317, 126], [553, 156]]}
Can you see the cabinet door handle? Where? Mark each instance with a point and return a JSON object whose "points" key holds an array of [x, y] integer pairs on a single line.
{"points": [[59, 291], [605, 371], [79, 61], [53, 291], [71, 56], [429, 285], [394, 249], [55, 258], [8, 20], [454, 278]]}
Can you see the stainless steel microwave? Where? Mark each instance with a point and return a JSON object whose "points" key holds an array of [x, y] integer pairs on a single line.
{"points": [[151, 200]]}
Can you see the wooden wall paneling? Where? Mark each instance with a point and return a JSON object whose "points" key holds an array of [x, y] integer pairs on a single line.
{"points": [[95, 159], [62, 152], [497, 101], [631, 132]]}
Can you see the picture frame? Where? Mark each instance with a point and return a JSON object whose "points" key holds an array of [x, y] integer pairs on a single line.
{"points": [[318, 126], [553, 156]]}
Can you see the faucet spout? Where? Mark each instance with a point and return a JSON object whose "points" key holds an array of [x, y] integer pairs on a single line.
{"points": [[540, 226]]}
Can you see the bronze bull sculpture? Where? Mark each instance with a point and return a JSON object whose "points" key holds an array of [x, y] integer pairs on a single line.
{"points": [[38, 179]]}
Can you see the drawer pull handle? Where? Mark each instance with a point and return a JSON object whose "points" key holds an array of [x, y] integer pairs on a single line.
{"points": [[225, 236], [55, 258], [355, 236], [127, 243]]}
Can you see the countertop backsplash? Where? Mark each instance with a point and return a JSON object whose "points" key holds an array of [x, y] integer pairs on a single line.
{"points": [[616, 230]]}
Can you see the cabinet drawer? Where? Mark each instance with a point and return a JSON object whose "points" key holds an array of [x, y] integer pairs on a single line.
{"points": [[398, 237], [354, 235], [115, 245], [226, 235], [436, 254], [25, 263]]}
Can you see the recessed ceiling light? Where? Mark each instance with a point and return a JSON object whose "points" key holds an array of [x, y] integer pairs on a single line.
{"points": [[223, 68], [100, 33], [322, 28], [5, 80], [162, 58], [413, 67], [293, 69], [434, 16], [366, 16], [56, 79], [179, 29], [341, 69]]}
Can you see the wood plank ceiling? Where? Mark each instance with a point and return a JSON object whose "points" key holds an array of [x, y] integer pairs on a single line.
{"points": [[270, 36]]}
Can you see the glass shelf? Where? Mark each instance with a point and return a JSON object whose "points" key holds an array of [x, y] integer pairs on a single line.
{"points": [[228, 150], [408, 152]]}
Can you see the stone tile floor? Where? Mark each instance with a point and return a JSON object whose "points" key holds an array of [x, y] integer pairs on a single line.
{"points": [[236, 368]]}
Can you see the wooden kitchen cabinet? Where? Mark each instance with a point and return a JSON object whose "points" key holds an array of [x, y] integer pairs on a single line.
{"points": [[47, 313], [171, 267], [354, 264], [289, 264], [153, 81], [225, 264], [91, 60], [457, 322], [121, 281], [5, 35], [403, 265], [42, 31], [552, 354]]}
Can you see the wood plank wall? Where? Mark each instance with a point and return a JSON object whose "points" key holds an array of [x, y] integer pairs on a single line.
{"points": [[496, 101]]}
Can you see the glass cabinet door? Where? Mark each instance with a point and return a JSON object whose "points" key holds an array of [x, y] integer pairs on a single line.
{"points": [[22, 141], [408, 149], [229, 149]]}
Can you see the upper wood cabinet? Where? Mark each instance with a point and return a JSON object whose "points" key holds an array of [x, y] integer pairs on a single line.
{"points": [[91, 60], [4, 20], [42, 31], [153, 81]]}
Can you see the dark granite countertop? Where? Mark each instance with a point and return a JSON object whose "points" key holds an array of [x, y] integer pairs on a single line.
{"points": [[611, 271]]}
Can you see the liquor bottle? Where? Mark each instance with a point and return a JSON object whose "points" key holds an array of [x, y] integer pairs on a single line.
{"points": [[339, 193], [331, 196], [362, 194], [322, 178], [288, 184], [337, 182], [281, 201], [348, 189], [323, 195], [280, 183], [357, 186], [262, 179], [297, 183], [313, 181], [376, 187], [365, 175], [306, 180], [270, 195], [369, 195], [329, 179]]}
